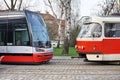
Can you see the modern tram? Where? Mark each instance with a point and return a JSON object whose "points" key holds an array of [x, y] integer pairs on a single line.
{"points": [[99, 39], [24, 38]]}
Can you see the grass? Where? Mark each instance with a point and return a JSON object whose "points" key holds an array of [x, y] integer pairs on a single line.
{"points": [[58, 52]]}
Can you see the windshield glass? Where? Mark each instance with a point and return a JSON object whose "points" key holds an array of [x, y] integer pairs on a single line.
{"points": [[38, 28], [91, 30]]}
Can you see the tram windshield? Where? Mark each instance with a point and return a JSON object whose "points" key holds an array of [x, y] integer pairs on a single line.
{"points": [[90, 30], [38, 29]]}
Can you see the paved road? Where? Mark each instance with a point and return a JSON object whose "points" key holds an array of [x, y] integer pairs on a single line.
{"points": [[61, 68]]}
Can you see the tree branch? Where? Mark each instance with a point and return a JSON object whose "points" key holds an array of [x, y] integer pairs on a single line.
{"points": [[112, 5], [7, 5], [12, 7], [20, 4], [14, 4], [63, 4], [52, 8], [46, 3]]}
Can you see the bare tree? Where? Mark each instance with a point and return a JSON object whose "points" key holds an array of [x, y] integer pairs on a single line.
{"points": [[61, 12], [108, 7], [13, 4], [67, 6]]}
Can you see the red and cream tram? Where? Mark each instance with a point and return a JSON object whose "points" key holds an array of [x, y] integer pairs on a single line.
{"points": [[99, 39], [24, 38]]}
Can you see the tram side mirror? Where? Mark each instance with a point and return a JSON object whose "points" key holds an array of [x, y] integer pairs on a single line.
{"points": [[85, 20]]}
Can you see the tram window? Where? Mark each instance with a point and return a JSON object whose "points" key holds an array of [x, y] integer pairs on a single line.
{"points": [[21, 35], [14, 32], [97, 31], [17, 33], [3, 27], [2, 38], [112, 30]]}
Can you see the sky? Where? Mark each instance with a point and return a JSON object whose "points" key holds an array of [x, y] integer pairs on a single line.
{"points": [[89, 6]]}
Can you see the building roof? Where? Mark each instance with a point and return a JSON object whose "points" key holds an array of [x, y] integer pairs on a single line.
{"points": [[49, 17]]}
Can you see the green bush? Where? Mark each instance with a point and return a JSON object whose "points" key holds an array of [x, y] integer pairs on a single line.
{"points": [[73, 35]]}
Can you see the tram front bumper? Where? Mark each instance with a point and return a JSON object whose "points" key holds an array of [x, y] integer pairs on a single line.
{"points": [[35, 58], [42, 57]]}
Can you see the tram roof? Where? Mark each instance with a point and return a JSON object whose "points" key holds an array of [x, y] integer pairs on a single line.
{"points": [[11, 14], [106, 19]]}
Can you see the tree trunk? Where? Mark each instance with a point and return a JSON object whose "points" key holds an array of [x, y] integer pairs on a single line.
{"points": [[59, 32], [12, 7], [20, 4], [58, 44], [67, 27], [65, 46]]}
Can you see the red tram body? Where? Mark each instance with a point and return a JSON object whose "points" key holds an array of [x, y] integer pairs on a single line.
{"points": [[99, 39]]}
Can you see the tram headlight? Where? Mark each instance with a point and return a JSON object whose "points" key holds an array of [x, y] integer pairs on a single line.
{"points": [[81, 47]]}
